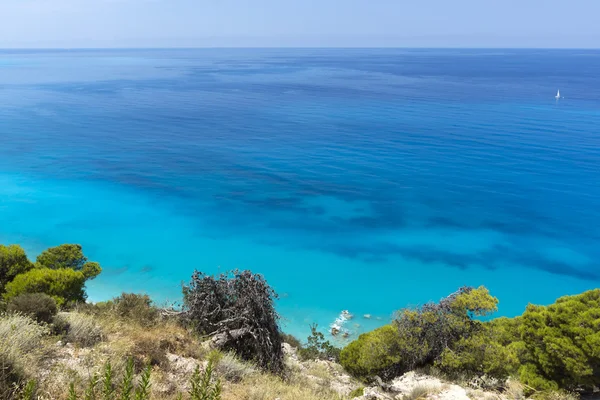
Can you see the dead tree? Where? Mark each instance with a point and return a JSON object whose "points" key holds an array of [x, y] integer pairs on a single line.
{"points": [[236, 310]]}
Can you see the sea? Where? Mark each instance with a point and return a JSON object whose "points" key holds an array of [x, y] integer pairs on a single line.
{"points": [[358, 180]]}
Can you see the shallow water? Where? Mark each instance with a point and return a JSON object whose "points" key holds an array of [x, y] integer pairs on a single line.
{"points": [[365, 180]]}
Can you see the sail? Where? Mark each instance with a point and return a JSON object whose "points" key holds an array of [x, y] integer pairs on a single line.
{"points": [[558, 94]]}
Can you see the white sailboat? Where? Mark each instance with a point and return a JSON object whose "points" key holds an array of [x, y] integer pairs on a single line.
{"points": [[557, 95]]}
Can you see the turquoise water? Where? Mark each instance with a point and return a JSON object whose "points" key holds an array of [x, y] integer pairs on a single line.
{"points": [[365, 180]]}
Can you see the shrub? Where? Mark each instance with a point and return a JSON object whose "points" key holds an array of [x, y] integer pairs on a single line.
{"points": [[38, 306], [318, 348], [13, 261], [563, 341], [148, 351], [232, 369], [63, 284], [237, 311], [11, 376], [20, 334], [80, 329], [373, 353], [291, 340], [136, 307], [419, 337], [478, 355]]}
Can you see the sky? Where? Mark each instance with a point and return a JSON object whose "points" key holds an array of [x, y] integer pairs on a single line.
{"points": [[299, 23]]}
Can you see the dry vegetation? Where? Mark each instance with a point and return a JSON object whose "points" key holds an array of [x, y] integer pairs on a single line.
{"points": [[80, 343]]}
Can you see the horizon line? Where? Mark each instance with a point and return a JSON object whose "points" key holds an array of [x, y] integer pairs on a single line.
{"points": [[299, 47]]}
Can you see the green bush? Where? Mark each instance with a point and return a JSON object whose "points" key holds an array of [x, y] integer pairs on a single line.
{"points": [[136, 307], [13, 261], [63, 285], [419, 337], [563, 342], [479, 355], [317, 348], [38, 306], [376, 353]]}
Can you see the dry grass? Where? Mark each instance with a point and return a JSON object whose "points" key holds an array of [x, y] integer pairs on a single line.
{"points": [[267, 387], [233, 370], [81, 329], [420, 392], [514, 390]]}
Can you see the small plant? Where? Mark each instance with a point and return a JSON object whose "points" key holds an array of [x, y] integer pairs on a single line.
{"points": [[107, 392], [318, 348], [127, 384], [143, 390], [90, 391], [202, 387], [358, 392]]}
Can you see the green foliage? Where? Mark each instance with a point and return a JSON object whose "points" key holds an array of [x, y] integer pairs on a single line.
{"points": [[13, 261], [419, 337], [142, 392], [68, 256], [374, 353], [136, 307], [127, 383], [478, 355], [318, 348], [90, 391], [202, 386], [63, 285], [358, 392], [28, 391], [107, 385], [563, 341], [38, 306]]}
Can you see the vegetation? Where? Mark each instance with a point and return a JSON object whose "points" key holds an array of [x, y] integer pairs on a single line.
{"points": [[13, 261], [547, 348], [68, 256], [38, 306], [63, 285], [202, 385], [418, 337], [60, 272], [237, 311], [317, 348], [129, 349]]}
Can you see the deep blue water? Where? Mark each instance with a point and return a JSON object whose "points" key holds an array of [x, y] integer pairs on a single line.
{"points": [[365, 180]]}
